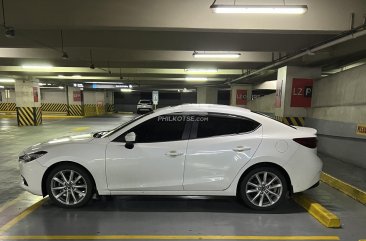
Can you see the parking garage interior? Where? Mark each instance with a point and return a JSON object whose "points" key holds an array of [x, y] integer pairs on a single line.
{"points": [[74, 67]]}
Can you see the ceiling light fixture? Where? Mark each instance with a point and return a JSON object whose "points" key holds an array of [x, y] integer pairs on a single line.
{"points": [[206, 71], [216, 55], [7, 80], [126, 90], [76, 76], [37, 66], [9, 31], [61, 76], [1, 87], [64, 54], [196, 78], [92, 66], [52, 87], [259, 9]]}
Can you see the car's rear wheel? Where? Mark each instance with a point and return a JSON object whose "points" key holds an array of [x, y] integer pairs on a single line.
{"points": [[263, 188], [69, 186]]}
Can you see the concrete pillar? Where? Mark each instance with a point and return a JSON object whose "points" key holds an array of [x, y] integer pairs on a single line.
{"points": [[94, 103], [28, 102], [75, 101], [240, 95], [207, 95], [293, 93], [109, 99]]}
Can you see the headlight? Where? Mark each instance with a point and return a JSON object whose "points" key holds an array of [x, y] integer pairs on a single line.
{"points": [[32, 156]]}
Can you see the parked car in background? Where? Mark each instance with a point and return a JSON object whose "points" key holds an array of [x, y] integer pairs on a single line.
{"points": [[144, 106], [192, 149]]}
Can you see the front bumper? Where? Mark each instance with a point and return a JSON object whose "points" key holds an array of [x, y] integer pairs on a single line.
{"points": [[31, 176]]}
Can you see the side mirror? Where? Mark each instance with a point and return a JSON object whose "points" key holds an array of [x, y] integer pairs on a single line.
{"points": [[130, 138]]}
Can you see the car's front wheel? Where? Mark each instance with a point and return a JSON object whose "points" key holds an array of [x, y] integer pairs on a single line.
{"points": [[263, 188], [69, 186]]}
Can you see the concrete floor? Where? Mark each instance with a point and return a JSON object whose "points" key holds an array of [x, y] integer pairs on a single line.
{"points": [[159, 215]]}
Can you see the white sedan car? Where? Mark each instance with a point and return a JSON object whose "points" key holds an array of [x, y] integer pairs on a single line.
{"points": [[193, 149]]}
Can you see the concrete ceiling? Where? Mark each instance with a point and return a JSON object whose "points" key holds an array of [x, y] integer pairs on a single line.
{"points": [[151, 42]]}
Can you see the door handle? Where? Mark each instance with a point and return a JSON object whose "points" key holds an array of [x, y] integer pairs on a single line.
{"points": [[174, 153], [241, 148]]}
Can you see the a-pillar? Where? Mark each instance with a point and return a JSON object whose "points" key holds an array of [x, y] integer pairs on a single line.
{"points": [[75, 101], [293, 93], [28, 102], [240, 95], [207, 95]]}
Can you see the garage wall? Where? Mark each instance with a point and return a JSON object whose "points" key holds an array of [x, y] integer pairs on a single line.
{"points": [[264, 104], [10, 100], [53, 96], [338, 105]]}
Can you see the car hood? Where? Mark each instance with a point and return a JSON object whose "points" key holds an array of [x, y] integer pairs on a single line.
{"points": [[83, 138]]}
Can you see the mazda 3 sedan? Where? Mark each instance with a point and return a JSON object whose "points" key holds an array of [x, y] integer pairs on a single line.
{"points": [[192, 149]]}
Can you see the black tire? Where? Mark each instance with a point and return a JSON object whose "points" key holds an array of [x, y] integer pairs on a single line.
{"points": [[85, 180], [248, 192]]}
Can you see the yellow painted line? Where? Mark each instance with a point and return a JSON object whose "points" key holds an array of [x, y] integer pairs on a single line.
{"points": [[8, 116], [11, 202], [168, 237], [21, 216], [62, 117], [344, 187], [82, 128], [320, 213]]}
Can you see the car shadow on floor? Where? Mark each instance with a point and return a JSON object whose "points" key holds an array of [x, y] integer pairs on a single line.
{"points": [[176, 204]]}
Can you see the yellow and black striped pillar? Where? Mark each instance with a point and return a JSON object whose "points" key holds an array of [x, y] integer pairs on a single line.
{"points": [[75, 110], [29, 116], [293, 121], [109, 107], [90, 109]]}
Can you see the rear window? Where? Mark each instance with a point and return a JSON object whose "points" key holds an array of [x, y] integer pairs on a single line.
{"points": [[270, 117], [145, 101], [218, 125]]}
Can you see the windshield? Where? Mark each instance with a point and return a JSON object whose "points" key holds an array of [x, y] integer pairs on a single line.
{"points": [[109, 133]]}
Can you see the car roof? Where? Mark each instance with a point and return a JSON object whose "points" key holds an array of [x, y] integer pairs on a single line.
{"points": [[204, 108]]}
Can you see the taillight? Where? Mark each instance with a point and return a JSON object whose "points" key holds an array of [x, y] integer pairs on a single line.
{"points": [[309, 142]]}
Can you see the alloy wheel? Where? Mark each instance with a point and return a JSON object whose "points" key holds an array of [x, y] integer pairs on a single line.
{"points": [[68, 187], [264, 189]]}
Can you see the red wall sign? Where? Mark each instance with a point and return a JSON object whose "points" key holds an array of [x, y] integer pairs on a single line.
{"points": [[241, 97], [35, 94], [77, 95], [301, 92]]}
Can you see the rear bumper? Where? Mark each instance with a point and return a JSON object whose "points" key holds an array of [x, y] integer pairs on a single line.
{"points": [[304, 169]]}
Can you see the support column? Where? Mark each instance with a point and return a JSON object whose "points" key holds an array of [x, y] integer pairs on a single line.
{"points": [[293, 93], [94, 103], [240, 95], [109, 101], [206, 95], [28, 102], [75, 103]]}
